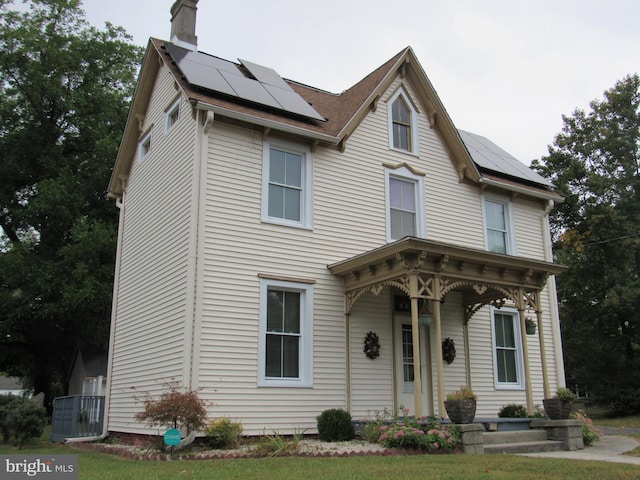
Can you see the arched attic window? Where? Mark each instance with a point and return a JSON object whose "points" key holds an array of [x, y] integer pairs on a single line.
{"points": [[402, 124]]}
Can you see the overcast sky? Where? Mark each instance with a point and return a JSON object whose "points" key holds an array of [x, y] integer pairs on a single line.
{"points": [[507, 70]]}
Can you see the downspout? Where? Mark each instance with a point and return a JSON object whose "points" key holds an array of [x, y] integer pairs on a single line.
{"points": [[120, 203], [347, 347], [553, 299], [200, 185]]}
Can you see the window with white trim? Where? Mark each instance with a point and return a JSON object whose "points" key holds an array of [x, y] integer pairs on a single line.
{"points": [[144, 147], [286, 334], [405, 204], [499, 236], [402, 123], [287, 184], [172, 115], [508, 360]]}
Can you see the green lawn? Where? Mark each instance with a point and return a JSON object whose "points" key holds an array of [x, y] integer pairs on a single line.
{"points": [[105, 467], [629, 422]]}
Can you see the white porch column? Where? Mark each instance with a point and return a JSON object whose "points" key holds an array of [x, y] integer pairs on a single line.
{"points": [[525, 353], [415, 336], [347, 350], [442, 412], [543, 353]]}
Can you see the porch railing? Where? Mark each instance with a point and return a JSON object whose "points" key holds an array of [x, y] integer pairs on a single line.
{"points": [[77, 416]]}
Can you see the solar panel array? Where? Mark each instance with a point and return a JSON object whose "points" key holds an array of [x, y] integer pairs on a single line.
{"points": [[489, 156], [265, 88]]}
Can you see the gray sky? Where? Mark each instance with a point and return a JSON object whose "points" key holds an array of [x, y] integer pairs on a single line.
{"points": [[507, 70]]}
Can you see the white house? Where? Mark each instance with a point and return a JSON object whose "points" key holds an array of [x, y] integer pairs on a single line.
{"points": [[268, 228]]}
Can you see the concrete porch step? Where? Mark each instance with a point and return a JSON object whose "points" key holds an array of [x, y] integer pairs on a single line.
{"points": [[522, 441], [516, 436], [525, 447]]}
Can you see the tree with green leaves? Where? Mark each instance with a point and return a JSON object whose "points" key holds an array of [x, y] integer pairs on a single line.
{"points": [[65, 89], [595, 163]]}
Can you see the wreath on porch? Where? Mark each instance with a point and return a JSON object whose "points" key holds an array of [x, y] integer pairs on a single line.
{"points": [[372, 345], [448, 350]]}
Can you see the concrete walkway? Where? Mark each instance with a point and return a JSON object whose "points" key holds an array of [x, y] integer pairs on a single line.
{"points": [[610, 448]]}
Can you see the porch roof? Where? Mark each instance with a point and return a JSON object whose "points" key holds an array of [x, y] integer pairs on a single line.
{"points": [[482, 276]]}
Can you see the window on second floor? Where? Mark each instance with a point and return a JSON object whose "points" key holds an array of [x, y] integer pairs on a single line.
{"points": [[287, 185], [499, 237], [172, 115], [144, 147], [402, 124], [405, 204]]}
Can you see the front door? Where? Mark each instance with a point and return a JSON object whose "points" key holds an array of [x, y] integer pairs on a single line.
{"points": [[405, 365]]}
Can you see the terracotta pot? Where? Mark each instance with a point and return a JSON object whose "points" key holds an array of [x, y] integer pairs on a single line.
{"points": [[556, 409], [461, 411]]}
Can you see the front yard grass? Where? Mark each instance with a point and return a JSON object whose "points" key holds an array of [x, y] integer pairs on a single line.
{"points": [[93, 465], [620, 422]]}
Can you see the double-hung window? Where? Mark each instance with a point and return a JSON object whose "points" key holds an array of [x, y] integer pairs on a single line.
{"points": [[286, 329], [405, 204], [507, 349], [498, 225], [402, 123], [287, 185]]}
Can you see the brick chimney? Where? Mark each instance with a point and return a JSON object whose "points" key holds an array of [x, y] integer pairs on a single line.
{"points": [[183, 24]]}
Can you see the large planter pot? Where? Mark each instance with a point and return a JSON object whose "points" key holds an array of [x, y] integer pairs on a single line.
{"points": [[556, 409], [461, 411]]}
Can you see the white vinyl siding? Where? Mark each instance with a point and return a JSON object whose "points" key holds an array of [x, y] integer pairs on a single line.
{"points": [[371, 380], [154, 298]]}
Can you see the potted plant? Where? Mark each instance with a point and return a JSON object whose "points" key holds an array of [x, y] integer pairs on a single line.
{"points": [[530, 326], [559, 406], [461, 405]]}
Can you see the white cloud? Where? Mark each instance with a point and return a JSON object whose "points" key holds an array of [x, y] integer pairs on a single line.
{"points": [[507, 70]]}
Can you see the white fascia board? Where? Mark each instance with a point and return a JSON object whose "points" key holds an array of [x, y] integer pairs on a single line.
{"points": [[522, 191], [268, 123]]}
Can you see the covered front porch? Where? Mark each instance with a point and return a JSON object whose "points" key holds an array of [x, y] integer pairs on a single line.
{"points": [[426, 273]]}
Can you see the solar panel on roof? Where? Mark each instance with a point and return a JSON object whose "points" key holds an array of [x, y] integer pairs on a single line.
{"points": [[292, 102], [249, 89], [265, 74], [490, 156], [200, 70], [226, 77]]}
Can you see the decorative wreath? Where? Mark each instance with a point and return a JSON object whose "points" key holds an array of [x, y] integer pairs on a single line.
{"points": [[372, 345], [448, 350]]}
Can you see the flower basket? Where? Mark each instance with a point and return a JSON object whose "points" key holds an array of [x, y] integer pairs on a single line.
{"points": [[556, 408], [461, 411], [530, 326]]}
